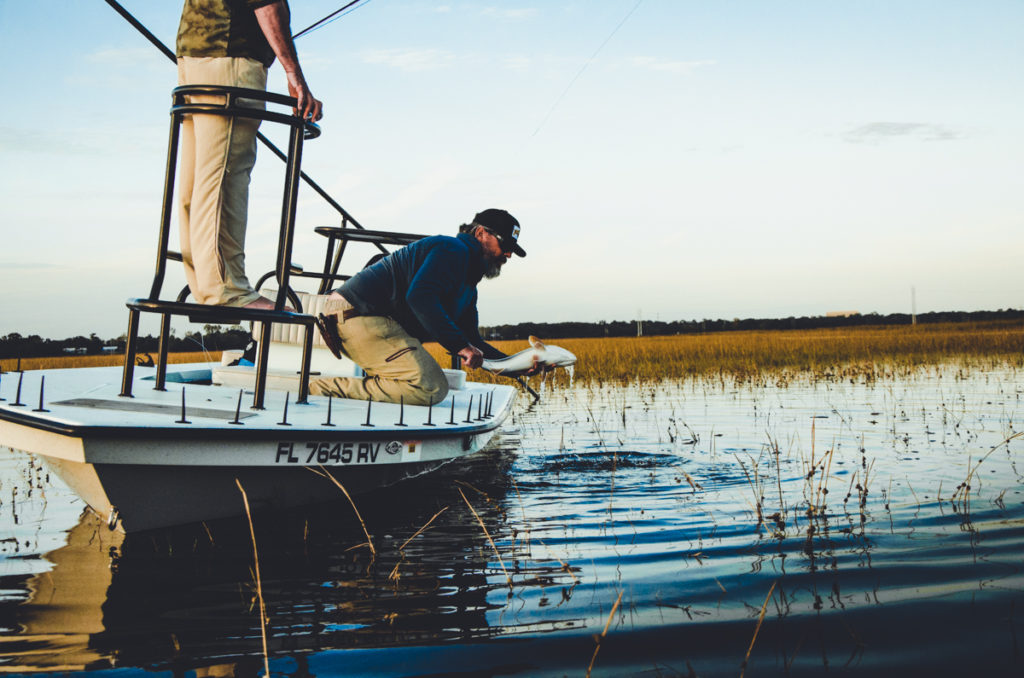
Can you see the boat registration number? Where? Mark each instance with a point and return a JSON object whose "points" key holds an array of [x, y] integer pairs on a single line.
{"points": [[371, 452]]}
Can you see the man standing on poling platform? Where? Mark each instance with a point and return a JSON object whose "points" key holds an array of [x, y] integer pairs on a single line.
{"points": [[227, 43]]}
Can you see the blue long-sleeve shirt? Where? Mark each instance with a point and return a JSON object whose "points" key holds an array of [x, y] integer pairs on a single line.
{"points": [[429, 287]]}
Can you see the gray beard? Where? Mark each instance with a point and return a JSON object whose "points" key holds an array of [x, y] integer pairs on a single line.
{"points": [[493, 269]]}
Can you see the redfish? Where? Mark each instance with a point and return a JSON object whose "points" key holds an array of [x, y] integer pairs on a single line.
{"points": [[547, 357]]}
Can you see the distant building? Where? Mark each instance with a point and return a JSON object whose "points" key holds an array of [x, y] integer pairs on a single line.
{"points": [[110, 349], [841, 314], [75, 350]]}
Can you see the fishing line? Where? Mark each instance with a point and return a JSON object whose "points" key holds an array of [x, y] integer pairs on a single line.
{"points": [[332, 17], [584, 67]]}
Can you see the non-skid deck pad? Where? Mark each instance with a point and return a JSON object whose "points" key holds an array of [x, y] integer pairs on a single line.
{"points": [[126, 405]]}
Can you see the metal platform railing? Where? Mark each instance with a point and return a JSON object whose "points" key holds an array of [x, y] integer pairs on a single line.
{"points": [[332, 260], [227, 105]]}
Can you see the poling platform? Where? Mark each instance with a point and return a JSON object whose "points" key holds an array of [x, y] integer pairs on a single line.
{"points": [[149, 447]]}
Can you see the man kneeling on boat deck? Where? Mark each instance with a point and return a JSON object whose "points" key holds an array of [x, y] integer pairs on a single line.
{"points": [[425, 291]]}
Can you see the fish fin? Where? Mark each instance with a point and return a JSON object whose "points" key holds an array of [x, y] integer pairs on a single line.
{"points": [[536, 343]]}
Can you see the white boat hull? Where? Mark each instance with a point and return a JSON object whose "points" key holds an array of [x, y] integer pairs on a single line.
{"points": [[148, 461], [145, 497]]}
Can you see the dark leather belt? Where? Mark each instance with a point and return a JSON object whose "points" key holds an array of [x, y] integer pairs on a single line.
{"points": [[350, 313]]}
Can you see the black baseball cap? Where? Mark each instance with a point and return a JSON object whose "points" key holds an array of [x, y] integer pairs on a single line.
{"points": [[503, 225]]}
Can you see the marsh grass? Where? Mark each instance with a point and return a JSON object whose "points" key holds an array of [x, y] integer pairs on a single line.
{"points": [[258, 579], [871, 352], [757, 629], [60, 362]]}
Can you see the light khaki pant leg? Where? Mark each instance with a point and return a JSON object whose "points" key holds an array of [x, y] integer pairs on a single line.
{"points": [[396, 364], [217, 156]]}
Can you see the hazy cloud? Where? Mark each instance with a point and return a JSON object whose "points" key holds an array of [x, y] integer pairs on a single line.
{"points": [[30, 141], [506, 13], [409, 59], [80, 141], [118, 56], [878, 132], [27, 265], [419, 192], [655, 64], [133, 69], [517, 63]]}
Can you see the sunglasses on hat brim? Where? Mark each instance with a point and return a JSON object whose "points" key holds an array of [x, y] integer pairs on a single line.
{"points": [[507, 246]]}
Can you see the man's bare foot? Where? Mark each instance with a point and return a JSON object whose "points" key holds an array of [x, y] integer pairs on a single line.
{"points": [[264, 304]]}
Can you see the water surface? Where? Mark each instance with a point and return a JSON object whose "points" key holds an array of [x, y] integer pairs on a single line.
{"points": [[669, 516]]}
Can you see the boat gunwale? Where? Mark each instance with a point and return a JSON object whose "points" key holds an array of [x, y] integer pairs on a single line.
{"points": [[293, 432]]}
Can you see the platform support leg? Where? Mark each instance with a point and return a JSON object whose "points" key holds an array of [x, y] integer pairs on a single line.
{"points": [[307, 354], [161, 361], [263, 358], [129, 354]]}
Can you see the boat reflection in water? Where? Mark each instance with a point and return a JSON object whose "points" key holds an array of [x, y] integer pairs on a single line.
{"points": [[185, 599], [65, 605]]}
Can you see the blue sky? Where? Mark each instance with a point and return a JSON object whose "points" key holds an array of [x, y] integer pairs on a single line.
{"points": [[675, 159]]}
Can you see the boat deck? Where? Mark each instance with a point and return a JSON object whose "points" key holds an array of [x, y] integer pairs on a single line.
{"points": [[81, 417]]}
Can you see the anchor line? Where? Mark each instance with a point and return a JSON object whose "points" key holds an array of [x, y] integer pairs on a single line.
{"points": [[169, 53]]}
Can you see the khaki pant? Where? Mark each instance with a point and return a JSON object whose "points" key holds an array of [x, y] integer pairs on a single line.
{"points": [[396, 364], [217, 156]]}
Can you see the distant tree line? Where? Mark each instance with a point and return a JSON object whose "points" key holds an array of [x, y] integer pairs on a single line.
{"points": [[620, 328], [219, 338], [212, 338]]}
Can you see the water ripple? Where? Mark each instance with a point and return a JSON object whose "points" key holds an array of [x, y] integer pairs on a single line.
{"points": [[690, 500]]}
